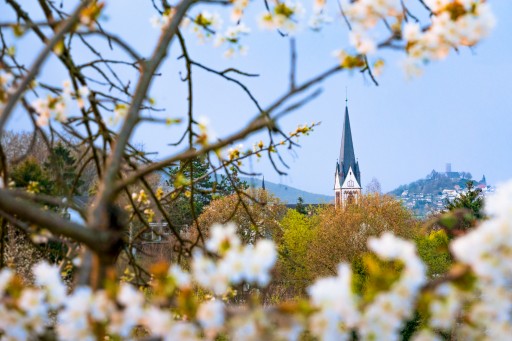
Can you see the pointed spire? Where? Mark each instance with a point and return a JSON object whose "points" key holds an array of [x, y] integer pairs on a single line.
{"points": [[483, 181], [263, 183], [347, 156]]}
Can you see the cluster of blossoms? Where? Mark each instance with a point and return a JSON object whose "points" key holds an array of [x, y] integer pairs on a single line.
{"points": [[364, 15], [488, 251], [340, 312], [26, 313], [284, 16], [143, 203], [386, 315], [141, 197], [250, 263], [455, 23], [336, 311], [207, 25], [257, 148], [452, 24], [238, 9], [160, 21], [235, 152], [232, 37], [58, 107]]}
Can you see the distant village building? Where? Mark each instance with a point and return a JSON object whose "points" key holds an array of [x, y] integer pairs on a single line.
{"points": [[347, 177]]}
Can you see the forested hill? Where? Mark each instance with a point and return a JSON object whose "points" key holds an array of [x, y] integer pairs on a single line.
{"points": [[436, 182], [290, 194]]}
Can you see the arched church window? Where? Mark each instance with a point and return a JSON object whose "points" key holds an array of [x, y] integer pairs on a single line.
{"points": [[350, 198], [350, 183]]}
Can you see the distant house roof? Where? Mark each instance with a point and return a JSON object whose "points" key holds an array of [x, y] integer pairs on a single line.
{"points": [[81, 200], [293, 206]]}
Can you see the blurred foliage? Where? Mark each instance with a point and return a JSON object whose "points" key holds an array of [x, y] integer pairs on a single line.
{"points": [[373, 275]]}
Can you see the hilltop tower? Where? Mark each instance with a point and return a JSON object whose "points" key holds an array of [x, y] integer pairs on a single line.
{"points": [[347, 177]]}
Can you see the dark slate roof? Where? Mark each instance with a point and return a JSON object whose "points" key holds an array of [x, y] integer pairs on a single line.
{"points": [[347, 155]]}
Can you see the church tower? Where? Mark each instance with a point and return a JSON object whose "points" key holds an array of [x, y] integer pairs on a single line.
{"points": [[347, 177]]}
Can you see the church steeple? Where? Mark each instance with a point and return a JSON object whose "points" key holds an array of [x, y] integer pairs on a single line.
{"points": [[347, 156], [347, 178]]}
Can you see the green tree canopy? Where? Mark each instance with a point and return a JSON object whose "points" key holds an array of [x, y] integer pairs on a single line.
{"points": [[29, 174], [472, 200], [301, 208]]}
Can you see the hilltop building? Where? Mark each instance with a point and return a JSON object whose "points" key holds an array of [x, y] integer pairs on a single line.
{"points": [[347, 177]]}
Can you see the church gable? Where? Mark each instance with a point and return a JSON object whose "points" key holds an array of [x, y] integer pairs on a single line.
{"points": [[350, 181]]}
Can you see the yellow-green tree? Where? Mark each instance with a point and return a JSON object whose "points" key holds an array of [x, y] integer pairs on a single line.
{"points": [[298, 232], [433, 250]]}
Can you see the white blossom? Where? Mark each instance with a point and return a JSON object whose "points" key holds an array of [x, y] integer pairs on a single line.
{"points": [[101, 306], [183, 331], [181, 277], [72, 323], [223, 237], [6, 275], [210, 315], [363, 43], [32, 302], [48, 276], [129, 296], [159, 321]]}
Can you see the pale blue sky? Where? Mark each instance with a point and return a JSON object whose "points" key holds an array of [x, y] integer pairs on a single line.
{"points": [[459, 111]]}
